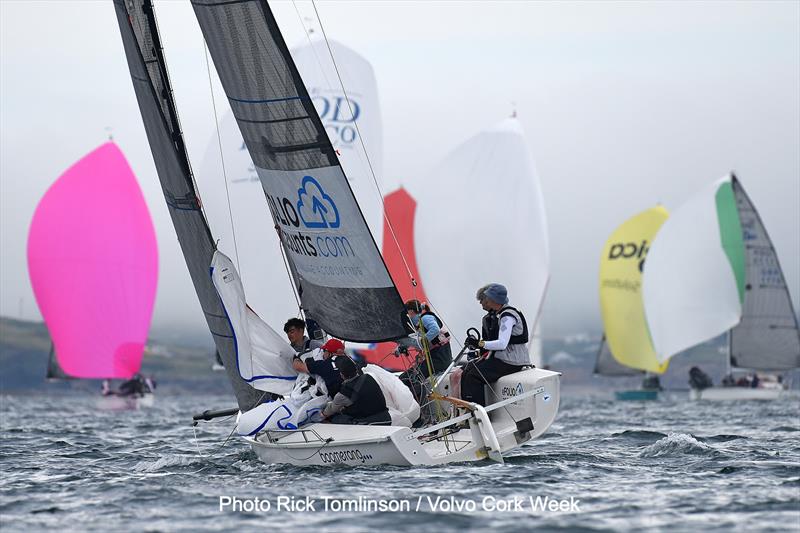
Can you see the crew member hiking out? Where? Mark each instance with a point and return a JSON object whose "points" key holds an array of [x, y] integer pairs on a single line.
{"points": [[504, 344]]}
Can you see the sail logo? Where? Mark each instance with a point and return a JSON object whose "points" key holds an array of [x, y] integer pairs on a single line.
{"points": [[316, 209], [338, 116], [629, 250]]}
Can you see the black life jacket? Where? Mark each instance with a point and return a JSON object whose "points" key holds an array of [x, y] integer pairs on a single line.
{"points": [[490, 327], [444, 336], [366, 395]]}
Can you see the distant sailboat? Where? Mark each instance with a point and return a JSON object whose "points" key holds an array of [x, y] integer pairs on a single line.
{"points": [[713, 270], [93, 264], [626, 348]]}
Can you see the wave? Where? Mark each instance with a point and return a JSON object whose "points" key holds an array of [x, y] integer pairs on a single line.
{"points": [[719, 438], [640, 434], [676, 444], [168, 461], [785, 428]]}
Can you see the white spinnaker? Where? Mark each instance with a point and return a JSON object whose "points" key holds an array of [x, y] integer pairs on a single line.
{"points": [[689, 289], [481, 220], [259, 259], [263, 357]]}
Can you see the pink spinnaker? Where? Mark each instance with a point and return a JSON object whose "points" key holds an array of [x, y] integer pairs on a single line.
{"points": [[93, 263]]}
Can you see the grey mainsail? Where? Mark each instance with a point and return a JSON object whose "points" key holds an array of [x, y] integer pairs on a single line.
{"points": [[767, 337], [606, 365], [154, 93], [339, 273]]}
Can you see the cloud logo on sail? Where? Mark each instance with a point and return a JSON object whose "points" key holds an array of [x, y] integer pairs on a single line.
{"points": [[316, 209]]}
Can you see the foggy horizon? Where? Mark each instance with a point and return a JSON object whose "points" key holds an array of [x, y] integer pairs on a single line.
{"points": [[623, 105]]}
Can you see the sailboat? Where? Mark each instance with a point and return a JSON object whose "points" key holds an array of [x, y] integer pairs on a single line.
{"points": [[713, 270], [93, 268], [336, 268], [626, 348]]}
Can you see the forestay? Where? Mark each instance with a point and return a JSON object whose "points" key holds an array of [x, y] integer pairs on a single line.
{"points": [[153, 91], [767, 336], [341, 278]]}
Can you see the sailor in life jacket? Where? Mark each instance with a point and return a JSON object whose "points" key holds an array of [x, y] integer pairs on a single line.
{"points": [[438, 343], [320, 364], [295, 331], [360, 399], [505, 344]]}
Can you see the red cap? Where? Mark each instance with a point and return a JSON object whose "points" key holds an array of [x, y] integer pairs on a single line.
{"points": [[333, 345]]}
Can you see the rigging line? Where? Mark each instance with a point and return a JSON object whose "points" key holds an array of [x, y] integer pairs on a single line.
{"points": [[222, 158], [366, 155], [328, 84]]}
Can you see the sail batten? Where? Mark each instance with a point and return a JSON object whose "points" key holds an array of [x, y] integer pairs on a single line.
{"points": [[154, 94], [341, 279]]}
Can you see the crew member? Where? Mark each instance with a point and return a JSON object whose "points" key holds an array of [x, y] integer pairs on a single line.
{"points": [[359, 400], [505, 344], [295, 331], [323, 366], [438, 341]]}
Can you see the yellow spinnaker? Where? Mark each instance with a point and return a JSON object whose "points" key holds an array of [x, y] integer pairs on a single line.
{"points": [[621, 302]]}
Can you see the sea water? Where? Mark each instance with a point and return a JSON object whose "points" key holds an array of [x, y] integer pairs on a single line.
{"points": [[603, 465]]}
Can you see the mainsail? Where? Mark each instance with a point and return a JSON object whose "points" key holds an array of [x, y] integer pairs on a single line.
{"points": [[621, 265], [258, 253], [154, 93], [607, 365], [340, 276], [767, 337], [93, 264]]}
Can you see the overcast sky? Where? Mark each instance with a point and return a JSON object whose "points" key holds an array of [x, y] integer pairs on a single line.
{"points": [[624, 104]]}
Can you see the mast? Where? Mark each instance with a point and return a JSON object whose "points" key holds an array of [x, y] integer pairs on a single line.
{"points": [[151, 83]]}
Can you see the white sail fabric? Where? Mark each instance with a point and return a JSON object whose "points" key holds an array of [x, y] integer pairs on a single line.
{"points": [[263, 357], [689, 288], [303, 406], [402, 406], [481, 220], [257, 249]]}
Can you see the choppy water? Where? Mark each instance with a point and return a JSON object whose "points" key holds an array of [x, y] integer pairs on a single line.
{"points": [[666, 465]]}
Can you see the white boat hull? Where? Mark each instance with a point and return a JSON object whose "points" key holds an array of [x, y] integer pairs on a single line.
{"points": [[735, 393], [124, 403], [492, 431]]}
